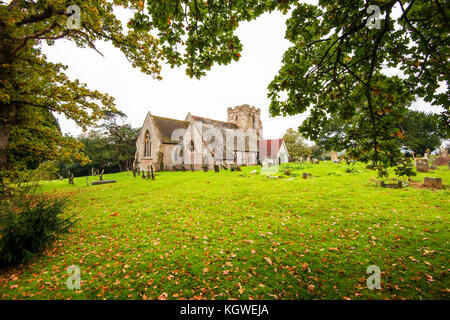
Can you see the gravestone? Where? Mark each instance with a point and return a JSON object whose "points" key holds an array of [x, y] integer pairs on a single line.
{"points": [[422, 165], [238, 168], [70, 178], [306, 175], [334, 156], [431, 182], [427, 154], [309, 158], [102, 182], [315, 161], [216, 168], [391, 185]]}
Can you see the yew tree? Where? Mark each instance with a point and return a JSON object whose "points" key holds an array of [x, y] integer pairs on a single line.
{"points": [[346, 62]]}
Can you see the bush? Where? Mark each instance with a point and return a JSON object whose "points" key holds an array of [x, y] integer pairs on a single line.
{"points": [[405, 168], [29, 225], [47, 170]]}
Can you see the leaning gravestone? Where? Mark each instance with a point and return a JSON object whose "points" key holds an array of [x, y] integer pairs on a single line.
{"points": [[422, 165]]}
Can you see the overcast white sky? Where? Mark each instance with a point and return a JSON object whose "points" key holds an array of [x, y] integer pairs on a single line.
{"points": [[243, 82]]}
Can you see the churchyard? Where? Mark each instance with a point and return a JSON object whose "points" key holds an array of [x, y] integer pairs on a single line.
{"points": [[241, 235]]}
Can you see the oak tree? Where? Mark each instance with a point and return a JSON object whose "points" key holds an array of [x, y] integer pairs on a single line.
{"points": [[337, 67]]}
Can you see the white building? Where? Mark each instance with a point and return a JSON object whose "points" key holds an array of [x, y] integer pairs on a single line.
{"points": [[273, 151]]}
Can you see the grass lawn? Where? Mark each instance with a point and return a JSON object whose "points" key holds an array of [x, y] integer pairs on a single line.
{"points": [[237, 235]]}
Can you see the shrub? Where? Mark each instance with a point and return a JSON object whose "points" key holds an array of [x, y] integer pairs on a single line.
{"points": [[405, 168], [29, 225], [47, 170]]}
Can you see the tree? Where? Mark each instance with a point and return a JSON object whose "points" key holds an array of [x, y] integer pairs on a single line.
{"points": [[110, 146], [333, 134], [296, 144], [195, 33], [122, 137], [38, 139], [422, 131], [336, 69]]}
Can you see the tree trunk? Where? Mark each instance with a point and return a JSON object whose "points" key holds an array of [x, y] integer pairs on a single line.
{"points": [[5, 132], [7, 116]]}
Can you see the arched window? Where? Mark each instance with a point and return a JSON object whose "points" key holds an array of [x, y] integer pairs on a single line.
{"points": [[253, 122], [147, 145]]}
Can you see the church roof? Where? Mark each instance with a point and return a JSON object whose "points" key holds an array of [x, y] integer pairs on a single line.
{"points": [[269, 148], [227, 125], [166, 126]]}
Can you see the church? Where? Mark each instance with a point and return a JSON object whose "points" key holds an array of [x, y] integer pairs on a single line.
{"points": [[196, 142]]}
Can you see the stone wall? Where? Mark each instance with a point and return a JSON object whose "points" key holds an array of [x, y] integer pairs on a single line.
{"points": [[145, 162]]}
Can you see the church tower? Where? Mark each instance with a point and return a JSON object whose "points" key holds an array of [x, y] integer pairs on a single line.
{"points": [[246, 118]]}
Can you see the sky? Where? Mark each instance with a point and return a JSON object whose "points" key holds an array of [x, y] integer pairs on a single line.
{"points": [[242, 82]]}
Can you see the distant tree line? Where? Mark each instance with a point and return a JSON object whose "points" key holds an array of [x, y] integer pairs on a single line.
{"points": [[110, 146], [298, 146], [418, 131]]}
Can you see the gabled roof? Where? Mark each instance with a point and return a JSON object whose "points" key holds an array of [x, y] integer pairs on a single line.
{"points": [[227, 125], [269, 148], [167, 126]]}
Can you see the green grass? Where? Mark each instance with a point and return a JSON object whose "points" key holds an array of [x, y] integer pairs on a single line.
{"points": [[237, 235]]}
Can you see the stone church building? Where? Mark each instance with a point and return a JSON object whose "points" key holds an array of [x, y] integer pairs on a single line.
{"points": [[169, 144]]}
